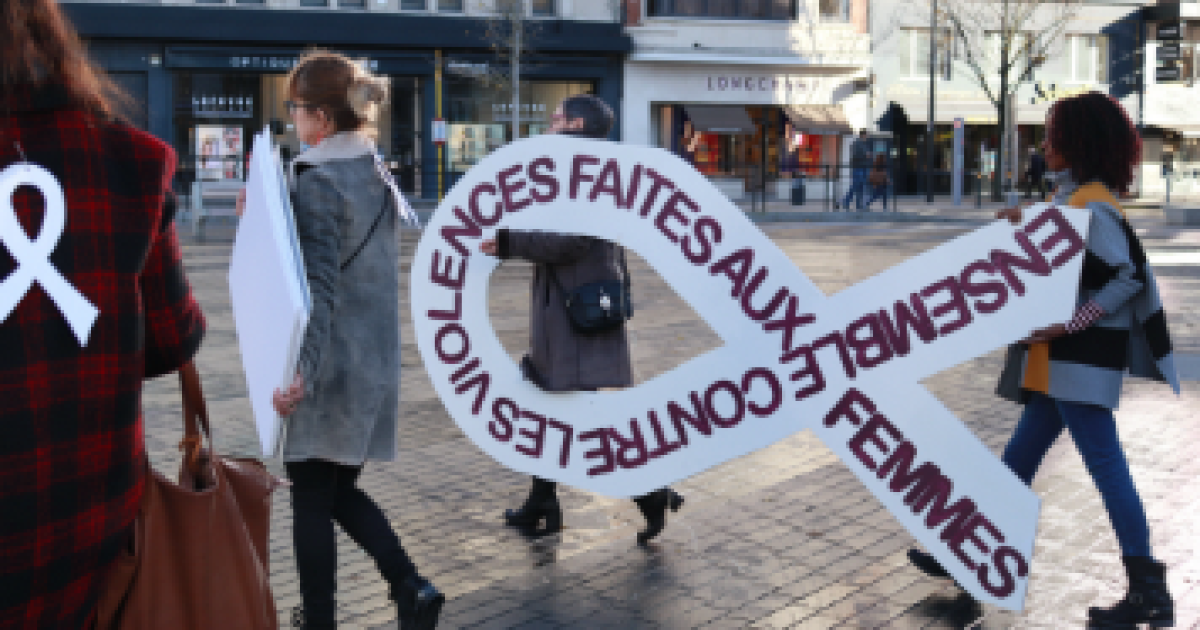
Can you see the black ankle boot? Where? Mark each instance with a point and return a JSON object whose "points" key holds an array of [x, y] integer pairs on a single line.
{"points": [[298, 621], [1146, 602], [542, 503], [654, 508], [418, 604], [927, 564]]}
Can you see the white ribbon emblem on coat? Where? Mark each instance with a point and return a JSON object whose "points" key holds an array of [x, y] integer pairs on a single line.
{"points": [[33, 255]]}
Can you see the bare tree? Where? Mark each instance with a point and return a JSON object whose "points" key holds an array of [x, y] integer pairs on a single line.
{"points": [[510, 32], [1003, 42]]}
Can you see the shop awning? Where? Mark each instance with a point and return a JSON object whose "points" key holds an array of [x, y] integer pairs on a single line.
{"points": [[728, 120], [819, 119]]}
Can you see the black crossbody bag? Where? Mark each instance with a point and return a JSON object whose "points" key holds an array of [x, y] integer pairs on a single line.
{"points": [[601, 306]]}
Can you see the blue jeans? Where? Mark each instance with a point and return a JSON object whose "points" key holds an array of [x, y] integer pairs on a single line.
{"points": [[1094, 431], [858, 187], [878, 192]]}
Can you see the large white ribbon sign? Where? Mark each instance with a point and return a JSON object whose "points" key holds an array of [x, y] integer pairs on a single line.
{"points": [[847, 367], [33, 255]]}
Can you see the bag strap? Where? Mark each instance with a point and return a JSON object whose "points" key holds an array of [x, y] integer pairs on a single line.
{"points": [[626, 279], [370, 233], [195, 416]]}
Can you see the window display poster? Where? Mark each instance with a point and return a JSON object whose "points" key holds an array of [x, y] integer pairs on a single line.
{"points": [[219, 150]]}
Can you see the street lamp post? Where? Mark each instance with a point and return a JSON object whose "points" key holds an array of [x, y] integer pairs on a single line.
{"points": [[932, 87]]}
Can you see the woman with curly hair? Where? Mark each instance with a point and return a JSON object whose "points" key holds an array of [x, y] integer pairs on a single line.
{"points": [[1068, 376]]}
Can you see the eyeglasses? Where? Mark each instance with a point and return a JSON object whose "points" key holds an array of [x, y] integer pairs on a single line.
{"points": [[292, 106]]}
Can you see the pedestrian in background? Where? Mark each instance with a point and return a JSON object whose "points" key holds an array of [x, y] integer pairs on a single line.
{"points": [[1035, 176], [1069, 376], [342, 407], [560, 358], [72, 458], [879, 181], [860, 166]]}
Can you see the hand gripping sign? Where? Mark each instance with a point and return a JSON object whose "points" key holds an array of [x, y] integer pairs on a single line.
{"points": [[33, 255], [847, 367]]}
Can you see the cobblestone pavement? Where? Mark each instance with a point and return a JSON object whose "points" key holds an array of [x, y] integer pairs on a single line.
{"points": [[781, 538]]}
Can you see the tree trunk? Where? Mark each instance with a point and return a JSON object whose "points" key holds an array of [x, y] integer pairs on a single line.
{"points": [[1002, 119]]}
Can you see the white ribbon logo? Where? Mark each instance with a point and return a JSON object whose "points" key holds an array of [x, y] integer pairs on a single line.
{"points": [[33, 255]]}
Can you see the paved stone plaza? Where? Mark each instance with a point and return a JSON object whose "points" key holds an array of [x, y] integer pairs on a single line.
{"points": [[782, 538]]}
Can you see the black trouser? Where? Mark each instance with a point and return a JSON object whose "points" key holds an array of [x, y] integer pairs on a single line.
{"points": [[322, 493]]}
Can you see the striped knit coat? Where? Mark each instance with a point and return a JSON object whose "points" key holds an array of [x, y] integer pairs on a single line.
{"points": [[1089, 366]]}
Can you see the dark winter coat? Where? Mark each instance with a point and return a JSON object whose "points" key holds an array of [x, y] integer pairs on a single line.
{"points": [[71, 450], [564, 359]]}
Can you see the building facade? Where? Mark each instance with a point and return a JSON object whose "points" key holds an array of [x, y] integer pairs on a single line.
{"points": [[1099, 49], [209, 75], [1170, 126], [749, 91]]}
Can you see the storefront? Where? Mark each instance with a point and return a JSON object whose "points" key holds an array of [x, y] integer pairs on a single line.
{"points": [[207, 83], [746, 127]]}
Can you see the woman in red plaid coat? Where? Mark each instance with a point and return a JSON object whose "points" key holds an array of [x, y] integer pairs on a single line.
{"points": [[71, 447]]}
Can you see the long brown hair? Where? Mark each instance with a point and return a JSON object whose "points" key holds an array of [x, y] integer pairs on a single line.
{"points": [[38, 46]]}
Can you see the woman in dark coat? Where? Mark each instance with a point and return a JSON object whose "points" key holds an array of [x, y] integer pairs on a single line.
{"points": [[1069, 375], [561, 359], [72, 460]]}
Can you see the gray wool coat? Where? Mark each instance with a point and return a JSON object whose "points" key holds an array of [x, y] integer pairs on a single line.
{"points": [[564, 359], [350, 357]]}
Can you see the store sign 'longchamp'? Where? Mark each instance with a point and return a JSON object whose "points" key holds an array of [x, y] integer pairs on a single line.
{"points": [[847, 366]]}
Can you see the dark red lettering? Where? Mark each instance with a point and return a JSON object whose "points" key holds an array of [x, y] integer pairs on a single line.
{"points": [[846, 409], [735, 267], [981, 289], [1065, 232], [766, 312], [468, 228], [538, 435], [604, 452], [509, 190], [969, 532], [698, 418], [1036, 264], [872, 349], [665, 446], [791, 321], [635, 182], [546, 180], [1008, 583], [577, 174], [482, 382], [776, 399], [835, 339], [439, 342], [485, 220], [956, 304], [504, 414], [634, 443], [568, 432], [812, 370], [463, 371], [869, 434], [609, 183], [707, 232], [440, 273], [670, 210], [659, 182], [909, 319]]}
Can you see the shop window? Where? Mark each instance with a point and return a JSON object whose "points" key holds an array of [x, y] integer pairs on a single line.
{"points": [[412, 5], [450, 6], [724, 9], [250, 1], [542, 8], [352, 4], [314, 3]]}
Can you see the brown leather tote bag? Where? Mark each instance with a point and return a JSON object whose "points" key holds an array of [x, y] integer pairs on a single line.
{"points": [[198, 555]]}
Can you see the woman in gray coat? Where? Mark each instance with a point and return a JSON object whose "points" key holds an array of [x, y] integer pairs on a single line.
{"points": [[561, 359], [343, 404]]}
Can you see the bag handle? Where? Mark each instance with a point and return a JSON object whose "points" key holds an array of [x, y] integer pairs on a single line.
{"points": [[195, 417]]}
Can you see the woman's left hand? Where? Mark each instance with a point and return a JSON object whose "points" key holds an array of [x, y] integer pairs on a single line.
{"points": [[1046, 334], [285, 400]]}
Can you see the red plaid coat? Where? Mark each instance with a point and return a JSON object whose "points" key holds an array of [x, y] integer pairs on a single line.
{"points": [[70, 416]]}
